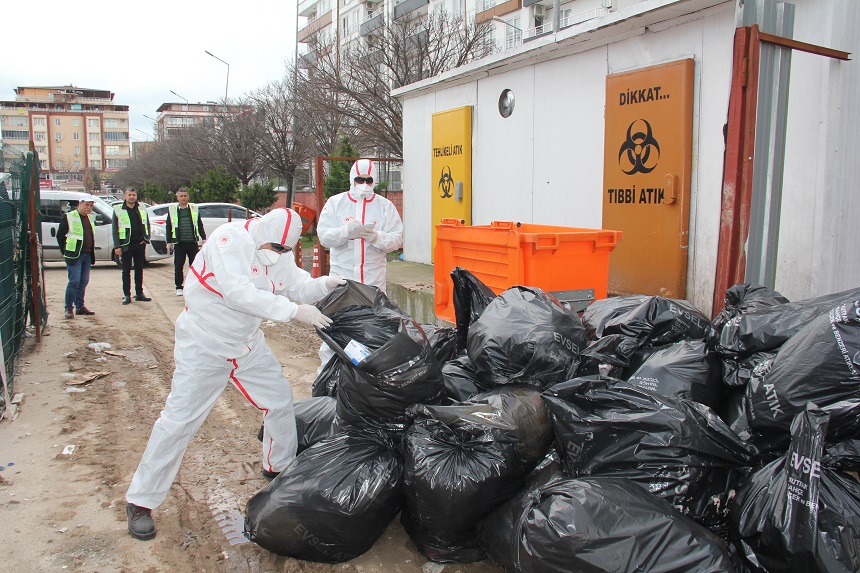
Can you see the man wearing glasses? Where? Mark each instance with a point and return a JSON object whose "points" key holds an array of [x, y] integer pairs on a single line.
{"points": [[243, 275], [359, 228]]}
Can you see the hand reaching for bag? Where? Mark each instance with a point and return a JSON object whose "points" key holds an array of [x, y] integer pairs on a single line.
{"points": [[309, 314]]}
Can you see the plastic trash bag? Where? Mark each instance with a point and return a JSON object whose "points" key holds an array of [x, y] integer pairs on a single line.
{"points": [[524, 336], [738, 372], [768, 328], [325, 384], [596, 524], [462, 380], [463, 461], [741, 299], [332, 503], [599, 312], [794, 514], [679, 450], [820, 364], [685, 369], [470, 298], [608, 356], [843, 456], [316, 420], [443, 341], [659, 321], [402, 372]]}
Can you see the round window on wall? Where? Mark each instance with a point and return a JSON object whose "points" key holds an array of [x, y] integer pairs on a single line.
{"points": [[506, 103]]}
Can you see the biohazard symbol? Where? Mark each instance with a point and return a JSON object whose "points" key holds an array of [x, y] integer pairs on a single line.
{"points": [[637, 151], [446, 182]]}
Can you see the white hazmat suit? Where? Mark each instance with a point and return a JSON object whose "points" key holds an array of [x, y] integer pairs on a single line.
{"points": [[232, 287], [358, 252]]}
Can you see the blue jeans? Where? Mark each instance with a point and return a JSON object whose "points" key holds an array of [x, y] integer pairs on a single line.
{"points": [[79, 277]]}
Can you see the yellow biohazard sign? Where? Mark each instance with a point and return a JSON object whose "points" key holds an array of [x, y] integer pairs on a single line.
{"points": [[451, 160]]}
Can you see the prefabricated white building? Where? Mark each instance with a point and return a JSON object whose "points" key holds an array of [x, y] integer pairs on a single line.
{"points": [[544, 163]]}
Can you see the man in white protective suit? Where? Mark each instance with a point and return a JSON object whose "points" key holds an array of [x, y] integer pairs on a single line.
{"points": [[359, 228], [241, 277]]}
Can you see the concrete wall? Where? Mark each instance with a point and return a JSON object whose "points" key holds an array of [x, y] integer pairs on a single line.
{"points": [[544, 164]]}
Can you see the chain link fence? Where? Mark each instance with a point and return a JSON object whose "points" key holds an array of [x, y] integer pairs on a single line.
{"points": [[19, 173]]}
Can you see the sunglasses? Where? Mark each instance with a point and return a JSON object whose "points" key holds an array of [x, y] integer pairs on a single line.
{"points": [[360, 180], [279, 248]]}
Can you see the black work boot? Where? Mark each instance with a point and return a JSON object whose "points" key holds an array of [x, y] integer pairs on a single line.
{"points": [[142, 297], [140, 524]]}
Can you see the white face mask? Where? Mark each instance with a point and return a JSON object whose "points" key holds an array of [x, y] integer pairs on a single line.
{"points": [[365, 189], [267, 257]]}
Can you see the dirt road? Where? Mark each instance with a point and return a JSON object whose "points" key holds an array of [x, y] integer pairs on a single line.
{"points": [[69, 455]]}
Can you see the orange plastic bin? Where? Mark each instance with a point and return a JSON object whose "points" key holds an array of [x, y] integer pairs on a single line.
{"points": [[504, 254]]}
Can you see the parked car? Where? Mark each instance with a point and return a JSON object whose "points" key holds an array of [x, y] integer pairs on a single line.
{"points": [[213, 215], [55, 205]]}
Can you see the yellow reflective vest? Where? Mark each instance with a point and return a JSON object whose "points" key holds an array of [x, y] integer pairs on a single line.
{"points": [[124, 229], [75, 236], [173, 213]]}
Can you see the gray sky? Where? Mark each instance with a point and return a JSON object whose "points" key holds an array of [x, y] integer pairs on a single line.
{"points": [[142, 50]]}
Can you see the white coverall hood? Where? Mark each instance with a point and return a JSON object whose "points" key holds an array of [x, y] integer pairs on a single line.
{"points": [[282, 226], [362, 168]]}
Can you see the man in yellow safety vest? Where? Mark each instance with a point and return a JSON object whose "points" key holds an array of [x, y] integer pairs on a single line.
{"points": [[76, 240], [130, 236], [183, 230]]}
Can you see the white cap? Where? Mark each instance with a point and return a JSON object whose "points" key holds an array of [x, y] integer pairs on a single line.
{"points": [[87, 197]]}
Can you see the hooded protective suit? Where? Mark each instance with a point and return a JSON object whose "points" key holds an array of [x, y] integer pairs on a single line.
{"points": [[229, 292], [356, 253]]}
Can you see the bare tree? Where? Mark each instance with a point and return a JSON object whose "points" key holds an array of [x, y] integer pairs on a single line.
{"points": [[235, 136], [357, 79]]}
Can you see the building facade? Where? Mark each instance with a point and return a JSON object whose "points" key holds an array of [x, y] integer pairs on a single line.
{"points": [[73, 129], [172, 117]]}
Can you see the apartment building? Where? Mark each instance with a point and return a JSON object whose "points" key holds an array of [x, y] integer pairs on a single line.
{"points": [[173, 117], [515, 21], [73, 129]]}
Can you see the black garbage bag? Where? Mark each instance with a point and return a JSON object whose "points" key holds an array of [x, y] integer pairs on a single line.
{"points": [[741, 299], [796, 515], [738, 372], [325, 384], [516, 410], [470, 298], [376, 392], [608, 356], [462, 380], [599, 312], [526, 337], [768, 328], [820, 364], [362, 313], [596, 524], [454, 475], [734, 413], [443, 341], [316, 420], [686, 369], [659, 321], [332, 503], [842, 456], [678, 450]]}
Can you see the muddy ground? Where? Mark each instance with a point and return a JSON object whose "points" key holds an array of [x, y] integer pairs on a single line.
{"points": [[71, 451]]}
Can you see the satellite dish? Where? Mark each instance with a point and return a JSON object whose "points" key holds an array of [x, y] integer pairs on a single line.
{"points": [[506, 103]]}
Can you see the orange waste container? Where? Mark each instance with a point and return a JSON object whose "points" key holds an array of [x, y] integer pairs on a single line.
{"points": [[505, 254], [307, 214]]}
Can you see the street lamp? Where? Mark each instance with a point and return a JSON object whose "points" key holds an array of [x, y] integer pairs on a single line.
{"points": [[181, 97], [497, 19], [228, 74], [150, 118], [143, 132]]}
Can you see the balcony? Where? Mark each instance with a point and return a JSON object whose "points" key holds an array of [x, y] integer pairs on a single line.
{"points": [[307, 7], [538, 31], [314, 27], [498, 10], [409, 6], [307, 61], [580, 17], [371, 24]]}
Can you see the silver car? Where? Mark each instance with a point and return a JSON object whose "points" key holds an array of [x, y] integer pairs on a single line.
{"points": [[212, 215]]}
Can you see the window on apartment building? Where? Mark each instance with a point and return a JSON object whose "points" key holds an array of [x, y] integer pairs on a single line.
{"points": [[41, 149], [76, 122], [116, 136], [13, 121], [93, 122], [58, 137], [43, 164], [15, 134], [95, 150], [95, 137], [59, 149], [111, 149], [77, 164], [59, 163], [513, 33], [117, 163], [56, 121], [76, 135], [40, 136], [114, 122], [95, 164], [39, 121], [564, 16], [77, 151]]}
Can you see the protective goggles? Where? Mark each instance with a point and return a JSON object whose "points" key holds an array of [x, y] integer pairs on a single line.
{"points": [[361, 180], [279, 248]]}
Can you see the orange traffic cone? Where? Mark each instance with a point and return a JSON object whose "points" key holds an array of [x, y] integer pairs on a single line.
{"points": [[297, 254], [315, 268]]}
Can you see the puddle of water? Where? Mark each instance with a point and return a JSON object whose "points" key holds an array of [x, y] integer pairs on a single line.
{"points": [[224, 507]]}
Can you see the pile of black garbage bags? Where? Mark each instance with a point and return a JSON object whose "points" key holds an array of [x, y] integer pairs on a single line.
{"points": [[640, 436]]}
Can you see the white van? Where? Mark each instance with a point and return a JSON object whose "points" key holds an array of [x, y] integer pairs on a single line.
{"points": [[55, 205]]}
